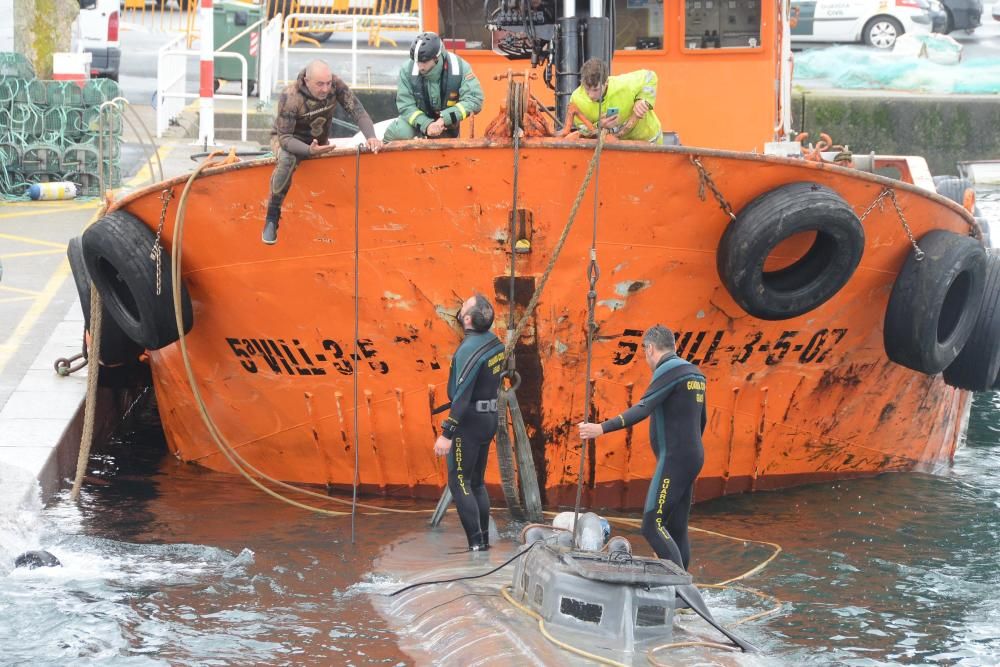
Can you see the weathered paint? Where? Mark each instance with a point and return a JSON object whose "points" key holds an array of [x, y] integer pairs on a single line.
{"points": [[826, 405]]}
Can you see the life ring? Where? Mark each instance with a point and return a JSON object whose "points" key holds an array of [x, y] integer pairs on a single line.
{"points": [[773, 218], [116, 250], [116, 347], [935, 302], [976, 367]]}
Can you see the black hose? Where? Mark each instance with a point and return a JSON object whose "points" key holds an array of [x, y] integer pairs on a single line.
{"points": [[467, 578]]}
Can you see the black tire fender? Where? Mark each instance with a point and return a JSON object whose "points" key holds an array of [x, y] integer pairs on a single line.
{"points": [[116, 250], [954, 187], [934, 302], [811, 280], [116, 347], [976, 367]]}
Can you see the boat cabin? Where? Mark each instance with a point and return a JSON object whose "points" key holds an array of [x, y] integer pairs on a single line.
{"points": [[718, 62]]}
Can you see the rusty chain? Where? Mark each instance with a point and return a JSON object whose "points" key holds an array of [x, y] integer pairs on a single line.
{"points": [[918, 254], [65, 367], [704, 178], [156, 252]]}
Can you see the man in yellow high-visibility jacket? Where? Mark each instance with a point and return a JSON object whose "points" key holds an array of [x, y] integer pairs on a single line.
{"points": [[621, 104]]}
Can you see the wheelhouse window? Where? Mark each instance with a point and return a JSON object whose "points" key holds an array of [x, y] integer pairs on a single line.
{"points": [[463, 24], [638, 24], [722, 24]]}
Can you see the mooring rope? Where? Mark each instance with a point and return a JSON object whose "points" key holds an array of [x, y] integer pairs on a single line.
{"points": [[235, 459], [90, 404], [530, 308], [593, 274], [357, 367]]}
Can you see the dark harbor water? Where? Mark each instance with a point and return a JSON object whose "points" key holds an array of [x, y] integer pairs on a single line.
{"points": [[169, 564]]}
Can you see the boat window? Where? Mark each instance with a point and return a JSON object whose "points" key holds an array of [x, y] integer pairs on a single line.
{"points": [[648, 615], [638, 24], [587, 612], [463, 24], [721, 24], [538, 594]]}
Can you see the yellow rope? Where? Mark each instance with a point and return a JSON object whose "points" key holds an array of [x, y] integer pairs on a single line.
{"points": [[653, 661], [778, 604], [234, 458], [637, 523], [545, 633], [90, 405]]}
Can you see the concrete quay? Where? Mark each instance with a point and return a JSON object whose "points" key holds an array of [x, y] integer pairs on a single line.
{"points": [[41, 412]]}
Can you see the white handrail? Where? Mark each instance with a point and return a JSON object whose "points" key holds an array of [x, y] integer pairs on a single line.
{"points": [[270, 53], [242, 96], [356, 21], [163, 116]]}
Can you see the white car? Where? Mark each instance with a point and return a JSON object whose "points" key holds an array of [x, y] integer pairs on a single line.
{"points": [[97, 33], [875, 22]]}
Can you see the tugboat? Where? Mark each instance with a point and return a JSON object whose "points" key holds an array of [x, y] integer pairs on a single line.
{"points": [[829, 298]]}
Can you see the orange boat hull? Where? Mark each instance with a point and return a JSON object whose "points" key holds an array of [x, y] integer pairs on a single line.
{"points": [[806, 399]]}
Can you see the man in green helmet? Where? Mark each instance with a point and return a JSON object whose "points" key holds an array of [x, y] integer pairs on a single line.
{"points": [[621, 104], [437, 91]]}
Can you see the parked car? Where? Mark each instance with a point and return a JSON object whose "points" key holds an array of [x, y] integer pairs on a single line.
{"points": [[965, 14], [877, 23], [97, 32]]}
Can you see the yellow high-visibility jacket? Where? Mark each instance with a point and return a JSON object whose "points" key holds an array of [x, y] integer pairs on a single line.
{"points": [[623, 91]]}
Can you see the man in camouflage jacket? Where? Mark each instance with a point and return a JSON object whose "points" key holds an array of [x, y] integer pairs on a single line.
{"points": [[302, 129]]}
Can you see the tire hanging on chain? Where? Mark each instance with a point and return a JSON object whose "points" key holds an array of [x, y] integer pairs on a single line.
{"points": [[116, 346], [773, 218], [935, 302], [978, 364], [116, 250]]}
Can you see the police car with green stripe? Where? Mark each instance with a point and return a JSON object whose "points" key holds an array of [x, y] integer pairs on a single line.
{"points": [[877, 23]]}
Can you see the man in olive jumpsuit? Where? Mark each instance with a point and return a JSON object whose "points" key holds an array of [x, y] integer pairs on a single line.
{"points": [[437, 91]]}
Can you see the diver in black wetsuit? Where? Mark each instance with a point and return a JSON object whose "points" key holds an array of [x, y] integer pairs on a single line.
{"points": [[675, 400], [473, 385]]}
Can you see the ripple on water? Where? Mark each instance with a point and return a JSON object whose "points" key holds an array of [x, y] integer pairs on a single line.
{"points": [[189, 567]]}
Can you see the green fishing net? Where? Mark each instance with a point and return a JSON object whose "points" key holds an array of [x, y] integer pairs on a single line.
{"points": [[52, 131]]}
